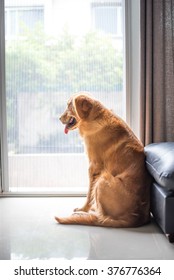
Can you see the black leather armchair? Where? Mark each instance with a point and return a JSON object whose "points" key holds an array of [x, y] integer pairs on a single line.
{"points": [[160, 163]]}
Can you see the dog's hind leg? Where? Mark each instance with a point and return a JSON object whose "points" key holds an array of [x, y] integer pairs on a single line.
{"points": [[92, 219], [82, 218]]}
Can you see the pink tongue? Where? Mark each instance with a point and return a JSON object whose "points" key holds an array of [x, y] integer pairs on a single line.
{"points": [[66, 130]]}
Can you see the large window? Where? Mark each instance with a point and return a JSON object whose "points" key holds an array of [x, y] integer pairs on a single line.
{"points": [[53, 49]]}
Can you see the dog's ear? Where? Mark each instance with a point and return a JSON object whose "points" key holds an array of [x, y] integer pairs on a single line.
{"points": [[83, 106]]}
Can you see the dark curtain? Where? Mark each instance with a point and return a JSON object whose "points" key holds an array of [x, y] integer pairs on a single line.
{"points": [[157, 71]]}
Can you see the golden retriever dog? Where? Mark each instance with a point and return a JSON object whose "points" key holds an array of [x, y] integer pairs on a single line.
{"points": [[119, 184]]}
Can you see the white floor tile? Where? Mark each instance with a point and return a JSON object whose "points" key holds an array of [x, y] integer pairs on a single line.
{"points": [[28, 231]]}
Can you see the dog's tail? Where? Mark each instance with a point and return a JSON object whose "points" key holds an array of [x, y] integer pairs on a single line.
{"points": [[92, 219]]}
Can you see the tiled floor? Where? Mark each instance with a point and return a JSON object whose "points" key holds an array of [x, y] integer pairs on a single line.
{"points": [[28, 231]]}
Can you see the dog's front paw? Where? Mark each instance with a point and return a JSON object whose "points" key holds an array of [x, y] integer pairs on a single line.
{"points": [[84, 209], [77, 209]]}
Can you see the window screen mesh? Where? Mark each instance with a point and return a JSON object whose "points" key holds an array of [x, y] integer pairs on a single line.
{"points": [[53, 49]]}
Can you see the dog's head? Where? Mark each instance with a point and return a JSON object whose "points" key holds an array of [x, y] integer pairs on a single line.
{"points": [[79, 108]]}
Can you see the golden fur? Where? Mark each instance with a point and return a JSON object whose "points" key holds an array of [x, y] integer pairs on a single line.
{"points": [[118, 193]]}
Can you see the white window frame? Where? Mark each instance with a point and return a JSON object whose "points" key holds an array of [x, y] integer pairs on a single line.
{"points": [[132, 78], [3, 131], [132, 63]]}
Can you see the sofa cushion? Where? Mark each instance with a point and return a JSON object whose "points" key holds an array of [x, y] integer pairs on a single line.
{"points": [[160, 163]]}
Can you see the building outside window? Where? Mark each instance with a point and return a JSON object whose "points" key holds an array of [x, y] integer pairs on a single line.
{"points": [[112, 24], [18, 18]]}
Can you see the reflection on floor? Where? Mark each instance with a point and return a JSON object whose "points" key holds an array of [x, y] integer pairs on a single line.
{"points": [[28, 231]]}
